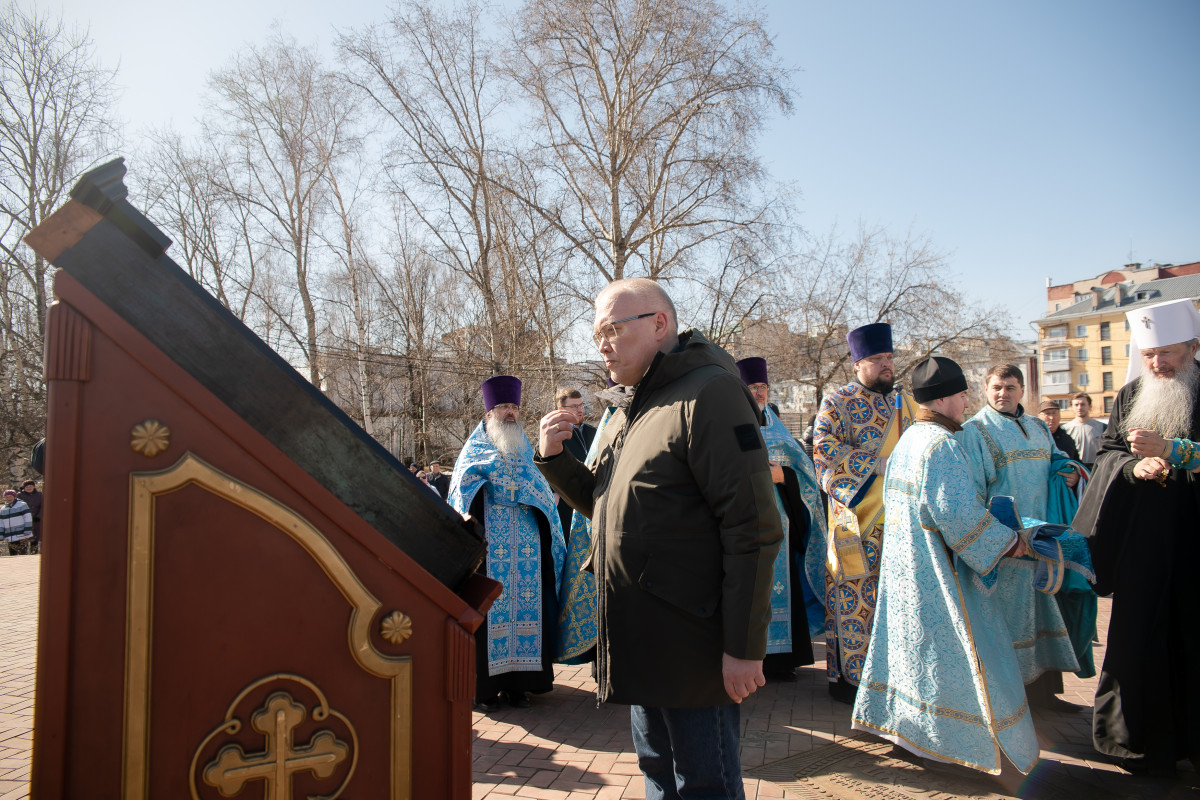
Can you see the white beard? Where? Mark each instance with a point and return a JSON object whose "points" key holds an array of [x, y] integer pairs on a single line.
{"points": [[509, 437], [1164, 405]]}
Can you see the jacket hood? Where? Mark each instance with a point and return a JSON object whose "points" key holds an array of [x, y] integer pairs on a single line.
{"points": [[692, 352]]}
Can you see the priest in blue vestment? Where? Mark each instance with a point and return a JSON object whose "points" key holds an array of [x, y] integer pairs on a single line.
{"points": [[1013, 454], [797, 610], [940, 678], [496, 483]]}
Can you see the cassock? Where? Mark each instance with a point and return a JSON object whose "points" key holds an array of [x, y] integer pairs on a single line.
{"points": [[579, 444], [1146, 551], [797, 611], [854, 428], [1016, 456], [940, 678], [525, 551], [577, 614]]}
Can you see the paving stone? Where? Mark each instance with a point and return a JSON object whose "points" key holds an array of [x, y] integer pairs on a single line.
{"points": [[564, 747]]}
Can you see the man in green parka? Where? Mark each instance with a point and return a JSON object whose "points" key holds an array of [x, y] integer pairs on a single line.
{"points": [[685, 537]]}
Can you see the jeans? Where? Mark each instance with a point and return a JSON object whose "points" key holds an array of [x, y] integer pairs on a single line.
{"points": [[689, 753]]}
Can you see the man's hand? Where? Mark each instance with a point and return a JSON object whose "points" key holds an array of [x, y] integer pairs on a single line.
{"points": [[1148, 444], [776, 473], [1072, 477], [553, 430], [1149, 469], [742, 676], [1018, 550]]}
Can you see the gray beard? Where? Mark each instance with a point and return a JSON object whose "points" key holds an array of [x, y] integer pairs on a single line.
{"points": [[509, 437], [1164, 405]]}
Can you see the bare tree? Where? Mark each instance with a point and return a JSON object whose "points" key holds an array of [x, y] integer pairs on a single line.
{"points": [[212, 230], [55, 102], [839, 283], [285, 121], [648, 110], [432, 77]]}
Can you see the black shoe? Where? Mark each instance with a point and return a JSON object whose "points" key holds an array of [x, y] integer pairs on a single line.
{"points": [[489, 705], [518, 700], [1057, 705], [781, 676], [843, 692], [1140, 766]]}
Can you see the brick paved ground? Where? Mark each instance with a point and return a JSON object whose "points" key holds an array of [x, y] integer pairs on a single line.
{"points": [[565, 748], [18, 651]]}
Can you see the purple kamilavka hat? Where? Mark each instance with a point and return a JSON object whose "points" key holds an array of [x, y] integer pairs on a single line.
{"points": [[501, 389], [754, 370], [869, 340]]}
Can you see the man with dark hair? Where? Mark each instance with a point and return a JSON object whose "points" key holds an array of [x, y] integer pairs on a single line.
{"points": [[1050, 414], [1013, 454], [1084, 430], [1141, 509], [855, 430], [582, 434], [685, 538], [33, 498], [439, 480]]}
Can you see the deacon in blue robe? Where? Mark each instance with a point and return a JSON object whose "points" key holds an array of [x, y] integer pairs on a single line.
{"points": [[577, 614], [1013, 453], [496, 483], [940, 678], [797, 610]]}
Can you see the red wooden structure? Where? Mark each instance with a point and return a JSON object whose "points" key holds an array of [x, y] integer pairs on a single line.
{"points": [[241, 595]]}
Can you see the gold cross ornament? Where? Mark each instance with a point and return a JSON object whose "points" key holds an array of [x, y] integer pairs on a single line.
{"points": [[277, 721]]}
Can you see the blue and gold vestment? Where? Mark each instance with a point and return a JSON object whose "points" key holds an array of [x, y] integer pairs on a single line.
{"points": [[514, 491], [855, 427]]}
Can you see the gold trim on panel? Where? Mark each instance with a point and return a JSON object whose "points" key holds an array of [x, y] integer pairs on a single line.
{"points": [[144, 488]]}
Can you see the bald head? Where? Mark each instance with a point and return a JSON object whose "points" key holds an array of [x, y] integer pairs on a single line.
{"points": [[645, 293], [635, 319]]}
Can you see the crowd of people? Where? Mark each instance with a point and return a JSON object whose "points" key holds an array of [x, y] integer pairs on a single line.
{"points": [[691, 548], [21, 520]]}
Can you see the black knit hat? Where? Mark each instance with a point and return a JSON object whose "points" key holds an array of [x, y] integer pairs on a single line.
{"points": [[937, 377]]}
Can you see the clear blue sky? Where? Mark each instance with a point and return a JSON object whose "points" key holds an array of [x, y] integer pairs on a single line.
{"points": [[1027, 138]]}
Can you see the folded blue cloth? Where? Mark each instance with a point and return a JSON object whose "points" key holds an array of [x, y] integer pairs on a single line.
{"points": [[1056, 548]]}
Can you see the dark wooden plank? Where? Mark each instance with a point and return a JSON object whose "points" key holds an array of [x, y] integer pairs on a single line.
{"points": [[121, 260]]}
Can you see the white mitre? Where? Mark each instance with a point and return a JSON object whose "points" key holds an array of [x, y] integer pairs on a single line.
{"points": [[1159, 325]]}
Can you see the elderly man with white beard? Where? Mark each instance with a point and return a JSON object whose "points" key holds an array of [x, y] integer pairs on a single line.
{"points": [[496, 483], [1141, 511]]}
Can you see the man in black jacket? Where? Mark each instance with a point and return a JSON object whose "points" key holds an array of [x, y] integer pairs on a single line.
{"points": [[582, 434], [1050, 414], [685, 537]]}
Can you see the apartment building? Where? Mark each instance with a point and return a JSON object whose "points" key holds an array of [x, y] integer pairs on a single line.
{"points": [[1083, 341]]}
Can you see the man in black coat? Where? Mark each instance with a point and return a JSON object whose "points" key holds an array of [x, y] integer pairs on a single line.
{"points": [[1052, 416], [1140, 510], [439, 480], [582, 434]]}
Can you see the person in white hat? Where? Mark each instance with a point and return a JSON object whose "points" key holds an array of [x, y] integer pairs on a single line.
{"points": [[1141, 510]]}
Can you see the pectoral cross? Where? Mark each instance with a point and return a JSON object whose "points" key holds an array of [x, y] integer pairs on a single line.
{"points": [[512, 491], [1146, 321], [277, 721]]}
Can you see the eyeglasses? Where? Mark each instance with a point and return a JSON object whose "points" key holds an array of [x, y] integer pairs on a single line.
{"points": [[608, 331]]}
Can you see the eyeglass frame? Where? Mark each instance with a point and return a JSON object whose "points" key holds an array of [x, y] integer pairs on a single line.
{"points": [[600, 336]]}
